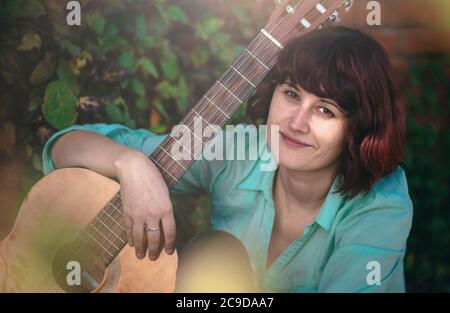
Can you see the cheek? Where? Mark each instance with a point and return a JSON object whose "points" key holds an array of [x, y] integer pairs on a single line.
{"points": [[332, 140], [272, 114], [276, 113]]}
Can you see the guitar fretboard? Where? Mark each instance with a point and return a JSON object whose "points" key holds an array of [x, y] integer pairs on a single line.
{"points": [[217, 106], [214, 108]]}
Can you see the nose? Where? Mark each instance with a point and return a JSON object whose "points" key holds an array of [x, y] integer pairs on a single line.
{"points": [[300, 120]]}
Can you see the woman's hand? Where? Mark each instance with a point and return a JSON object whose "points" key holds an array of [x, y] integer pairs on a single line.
{"points": [[146, 202]]}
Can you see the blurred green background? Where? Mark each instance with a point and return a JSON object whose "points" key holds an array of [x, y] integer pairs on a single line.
{"points": [[142, 63]]}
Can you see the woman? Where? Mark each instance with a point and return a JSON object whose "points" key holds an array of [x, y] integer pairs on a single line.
{"points": [[335, 214]]}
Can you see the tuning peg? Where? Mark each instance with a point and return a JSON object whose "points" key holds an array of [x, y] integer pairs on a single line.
{"points": [[290, 9], [334, 17], [347, 5], [277, 2]]}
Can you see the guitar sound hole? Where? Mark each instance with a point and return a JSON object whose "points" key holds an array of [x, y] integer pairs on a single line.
{"points": [[77, 269]]}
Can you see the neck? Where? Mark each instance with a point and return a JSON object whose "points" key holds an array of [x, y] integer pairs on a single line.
{"points": [[302, 190]]}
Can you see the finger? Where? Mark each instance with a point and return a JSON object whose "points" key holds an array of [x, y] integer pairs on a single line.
{"points": [[169, 229], [138, 239], [129, 230], [153, 238]]}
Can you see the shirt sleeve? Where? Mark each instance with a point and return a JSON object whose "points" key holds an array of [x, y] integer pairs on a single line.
{"points": [[370, 247], [198, 178]]}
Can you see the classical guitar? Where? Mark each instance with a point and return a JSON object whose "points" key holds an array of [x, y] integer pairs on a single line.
{"points": [[69, 235]]}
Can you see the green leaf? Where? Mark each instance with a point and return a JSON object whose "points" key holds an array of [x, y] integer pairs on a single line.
{"points": [[166, 89], [66, 75], [199, 56], [183, 93], [176, 14], [73, 49], [110, 30], [170, 67], [138, 87], [126, 60], [32, 8], [98, 24], [30, 40], [113, 43], [208, 27], [117, 112], [59, 107], [160, 129], [43, 71], [147, 67], [161, 108], [114, 113], [148, 42], [127, 120], [119, 101], [141, 27], [141, 104]]}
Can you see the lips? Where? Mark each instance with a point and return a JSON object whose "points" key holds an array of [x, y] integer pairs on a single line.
{"points": [[293, 142]]}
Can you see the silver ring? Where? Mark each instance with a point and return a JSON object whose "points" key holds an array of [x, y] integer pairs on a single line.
{"points": [[148, 229]]}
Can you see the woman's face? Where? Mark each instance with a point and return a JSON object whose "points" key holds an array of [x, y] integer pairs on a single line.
{"points": [[317, 122]]}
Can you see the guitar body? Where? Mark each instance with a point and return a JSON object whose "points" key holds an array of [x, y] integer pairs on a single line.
{"points": [[54, 213]]}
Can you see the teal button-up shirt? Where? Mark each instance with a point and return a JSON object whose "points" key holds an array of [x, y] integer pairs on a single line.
{"points": [[353, 245]]}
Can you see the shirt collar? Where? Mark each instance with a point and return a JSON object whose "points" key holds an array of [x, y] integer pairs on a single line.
{"points": [[259, 180], [330, 207]]}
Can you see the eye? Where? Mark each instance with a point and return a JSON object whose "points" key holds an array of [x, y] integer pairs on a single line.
{"points": [[327, 112], [292, 94]]}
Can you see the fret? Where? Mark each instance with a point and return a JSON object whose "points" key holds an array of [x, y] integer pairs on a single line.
{"points": [[210, 101], [193, 133], [167, 153], [267, 68], [163, 168], [271, 38], [117, 223], [193, 156], [243, 76], [111, 231], [223, 86], [103, 235], [204, 119], [116, 208], [99, 244]]}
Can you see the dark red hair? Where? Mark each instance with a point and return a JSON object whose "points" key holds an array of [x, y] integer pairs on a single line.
{"points": [[353, 69]]}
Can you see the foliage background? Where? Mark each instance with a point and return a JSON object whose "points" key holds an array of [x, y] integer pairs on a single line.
{"points": [[142, 63]]}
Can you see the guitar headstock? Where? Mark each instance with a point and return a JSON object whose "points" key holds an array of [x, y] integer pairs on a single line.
{"points": [[294, 18]]}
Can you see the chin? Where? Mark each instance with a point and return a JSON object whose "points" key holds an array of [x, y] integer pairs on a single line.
{"points": [[293, 164]]}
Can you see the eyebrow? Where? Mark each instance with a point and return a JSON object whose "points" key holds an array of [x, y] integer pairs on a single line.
{"points": [[329, 101]]}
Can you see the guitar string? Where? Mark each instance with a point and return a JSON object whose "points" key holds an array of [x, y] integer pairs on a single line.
{"points": [[50, 280], [119, 195], [114, 223], [240, 66], [203, 108], [160, 154], [259, 35]]}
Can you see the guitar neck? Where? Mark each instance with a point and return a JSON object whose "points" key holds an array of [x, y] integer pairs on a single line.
{"points": [[214, 108], [217, 106], [222, 100]]}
